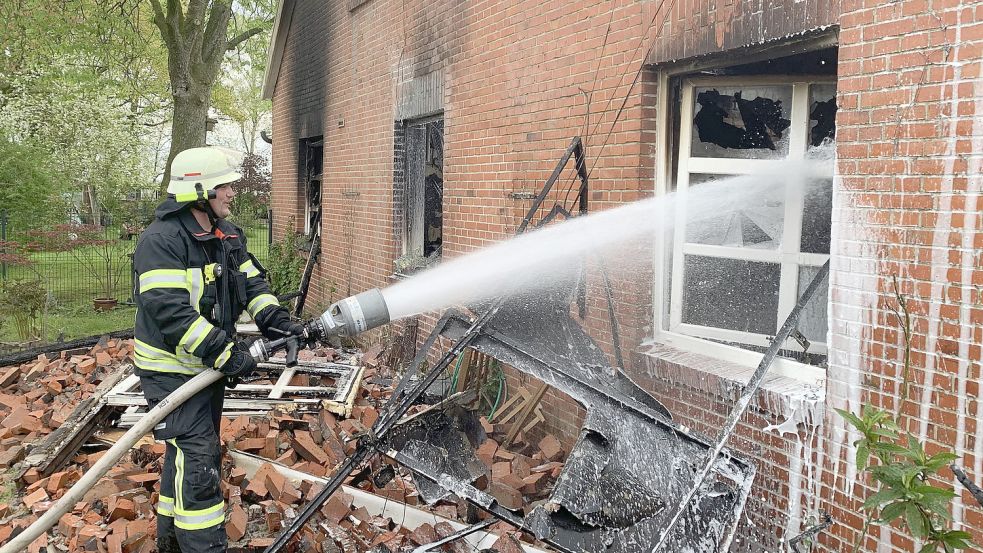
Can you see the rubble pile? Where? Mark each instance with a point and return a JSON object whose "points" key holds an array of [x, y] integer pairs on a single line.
{"points": [[117, 515], [37, 397]]}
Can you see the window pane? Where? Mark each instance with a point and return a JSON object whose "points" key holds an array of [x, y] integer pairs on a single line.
{"points": [[731, 293], [817, 215], [755, 226], [741, 122], [822, 115], [812, 321]]}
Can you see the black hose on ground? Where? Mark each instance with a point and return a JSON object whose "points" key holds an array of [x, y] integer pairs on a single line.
{"points": [[89, 341]]}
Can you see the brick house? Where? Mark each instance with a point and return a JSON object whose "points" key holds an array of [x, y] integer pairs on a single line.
{"points": [[422, 129]]}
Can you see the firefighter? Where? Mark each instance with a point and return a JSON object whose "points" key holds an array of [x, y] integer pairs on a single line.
{"points": [[193, 279]]}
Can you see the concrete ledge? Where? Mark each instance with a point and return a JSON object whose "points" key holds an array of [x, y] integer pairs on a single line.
{"points": [[796, 401]]}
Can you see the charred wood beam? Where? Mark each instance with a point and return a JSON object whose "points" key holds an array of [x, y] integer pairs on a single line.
{"points": [[94, 412], [462, 533], [974, 490]]}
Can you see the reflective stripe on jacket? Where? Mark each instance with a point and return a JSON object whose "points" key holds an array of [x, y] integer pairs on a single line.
{"points": [[186, 310]]}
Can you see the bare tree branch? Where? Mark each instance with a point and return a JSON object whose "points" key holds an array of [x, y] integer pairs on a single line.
{"points": [[215, 32], [236, 41], [196, 13]]}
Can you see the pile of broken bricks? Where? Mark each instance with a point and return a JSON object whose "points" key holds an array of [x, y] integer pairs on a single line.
{"points": [[37, 397], [117, 516]]}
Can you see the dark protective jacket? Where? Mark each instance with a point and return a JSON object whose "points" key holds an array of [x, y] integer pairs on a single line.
{"points": [[187, 306]]}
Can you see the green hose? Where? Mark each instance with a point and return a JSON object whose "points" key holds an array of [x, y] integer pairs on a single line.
{"points": [[457, 371], [501, 386], [501, 382]]}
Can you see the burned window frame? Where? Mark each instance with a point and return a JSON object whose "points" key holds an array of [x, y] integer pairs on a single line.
{"points": [[415, 248], [680, 166], [310, 182]]}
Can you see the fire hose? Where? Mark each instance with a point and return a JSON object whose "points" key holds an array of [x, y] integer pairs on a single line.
{"points": [[91, 476], [347, 317]]}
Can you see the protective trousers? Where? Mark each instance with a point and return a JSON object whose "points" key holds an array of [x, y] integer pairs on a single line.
{"points": [[191, 510]]}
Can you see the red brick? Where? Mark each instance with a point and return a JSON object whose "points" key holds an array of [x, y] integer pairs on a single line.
{"points": [[551, 448], [236, 524], [35, 497]]}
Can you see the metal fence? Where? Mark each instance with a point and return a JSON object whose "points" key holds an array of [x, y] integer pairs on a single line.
{"points": [[73, 277], [79, 275]]}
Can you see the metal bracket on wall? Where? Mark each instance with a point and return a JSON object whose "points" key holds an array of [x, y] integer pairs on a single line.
{"points": [[810, 533]]}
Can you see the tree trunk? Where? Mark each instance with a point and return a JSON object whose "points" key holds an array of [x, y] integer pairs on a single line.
{"points": [[89, 211], [188, 124], [194, 33]]}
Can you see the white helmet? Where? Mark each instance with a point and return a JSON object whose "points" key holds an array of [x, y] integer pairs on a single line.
{"points": [[209, 166]]}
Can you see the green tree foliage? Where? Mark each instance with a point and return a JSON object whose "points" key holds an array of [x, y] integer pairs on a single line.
{"points": [[80, 89], [238, 92], [81, 133], [29, 190], [94, 85]]}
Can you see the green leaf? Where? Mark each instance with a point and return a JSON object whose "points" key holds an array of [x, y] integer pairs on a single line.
{"points": [[852, 419], [929, 490], [893, 511], [891, 475], [914, 451], [939, 460], [890, 424], [929, 547], [863, 455], [883, 496], [888, 448], [883, 432], [939, 509], [957, 539], [916, 521]]}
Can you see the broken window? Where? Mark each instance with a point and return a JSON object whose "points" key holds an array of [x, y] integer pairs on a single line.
{"points": [[736, 276], [423, 162], [311, 163], [742, 122]]}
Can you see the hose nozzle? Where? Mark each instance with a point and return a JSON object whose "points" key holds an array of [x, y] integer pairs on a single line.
{"points": [[351, 316]]}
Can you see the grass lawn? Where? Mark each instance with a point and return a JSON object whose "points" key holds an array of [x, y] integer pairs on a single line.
{"points": [[78, 322], [73, 285]]}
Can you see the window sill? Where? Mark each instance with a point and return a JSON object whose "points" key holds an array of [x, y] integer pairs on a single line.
{"points": [[798, 391]]}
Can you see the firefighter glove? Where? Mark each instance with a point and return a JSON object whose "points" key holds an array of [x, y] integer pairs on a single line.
{"points": [[240, 363], [281, 321]]}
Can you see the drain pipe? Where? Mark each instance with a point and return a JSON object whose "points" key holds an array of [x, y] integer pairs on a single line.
{"points": [[91, 476]]}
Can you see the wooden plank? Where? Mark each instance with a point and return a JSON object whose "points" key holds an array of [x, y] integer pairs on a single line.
{"points": [[538, 418], [93, 412], [467, 358], [526, 411], [513, 406]]}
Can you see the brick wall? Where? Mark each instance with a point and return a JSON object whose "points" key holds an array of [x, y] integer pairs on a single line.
{"points": [[517, 77], [908, 142]]}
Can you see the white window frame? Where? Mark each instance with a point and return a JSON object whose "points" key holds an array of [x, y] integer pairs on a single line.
{"points": [[699, 338]]}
